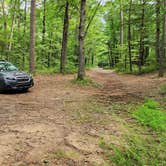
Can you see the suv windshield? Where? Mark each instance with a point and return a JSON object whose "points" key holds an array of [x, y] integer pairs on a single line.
{"points": [[5, 67]]}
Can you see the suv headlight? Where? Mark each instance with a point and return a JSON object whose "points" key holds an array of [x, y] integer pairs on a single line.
{"points": [[31, 76]]}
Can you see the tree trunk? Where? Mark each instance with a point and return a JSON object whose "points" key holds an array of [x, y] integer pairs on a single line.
{"points": [[129, 37], [19, 16], [81, 67], [44, 22], [32, 36], [157, 30], [65, 39], [11, 30], [4, 26], [4, 16], [43, 31], [92, 59], [141, 43], [162, 52], [110, 55], [121, 26], [49, 54], [76, 52], [24, 34]]}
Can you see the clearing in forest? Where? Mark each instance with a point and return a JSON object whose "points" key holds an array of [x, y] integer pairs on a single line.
{"points": [[59, 123]]}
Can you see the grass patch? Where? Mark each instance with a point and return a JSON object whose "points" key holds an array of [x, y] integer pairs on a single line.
{"points": [[94, 108], [59, 154], [82, 117], [85, 82], [62, 154], [90, 113], [98, 109], [163, 89], [164, 99], [150, 114], [135, 151], [136, 145]]}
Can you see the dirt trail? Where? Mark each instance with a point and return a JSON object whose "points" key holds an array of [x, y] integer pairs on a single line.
{"points": [[34, 125], [120, 87]]}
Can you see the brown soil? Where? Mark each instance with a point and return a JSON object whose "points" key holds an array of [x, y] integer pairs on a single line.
{"points": [[41, 127]]}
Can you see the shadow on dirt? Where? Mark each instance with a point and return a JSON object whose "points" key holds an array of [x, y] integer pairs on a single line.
{"points": [[14, 92]]}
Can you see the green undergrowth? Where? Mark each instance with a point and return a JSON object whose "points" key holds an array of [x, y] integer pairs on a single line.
{"points": [[142, 141], [135, 70], [85, 82], [70, 69], [163, 89], [90, 114], [64, 154], [61, 154], [55, 70], [135, 133], [47, 71], [151, 115], [135, 151]]}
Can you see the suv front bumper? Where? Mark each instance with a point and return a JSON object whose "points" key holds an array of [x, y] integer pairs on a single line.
{"points": [[14, 85]]}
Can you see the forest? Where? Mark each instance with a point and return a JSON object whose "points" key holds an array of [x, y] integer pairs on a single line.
{"points": [[99, 95], [128, 36]]}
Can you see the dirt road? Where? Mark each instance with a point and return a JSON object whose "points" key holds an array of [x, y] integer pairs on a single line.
{"points": [[38, 127]]}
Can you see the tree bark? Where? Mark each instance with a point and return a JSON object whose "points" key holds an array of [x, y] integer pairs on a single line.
{"points": [[81, 67], [11, 30], [121, 25], [24, 33], [129, 37], [141, 42], [43, 32], [158, 3], [162, 52], [65, 39], [110, 55], [49, 53], [44, 22], [19, 15], [4, 26], [32, 36], [4, 15], [76, 49]]}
